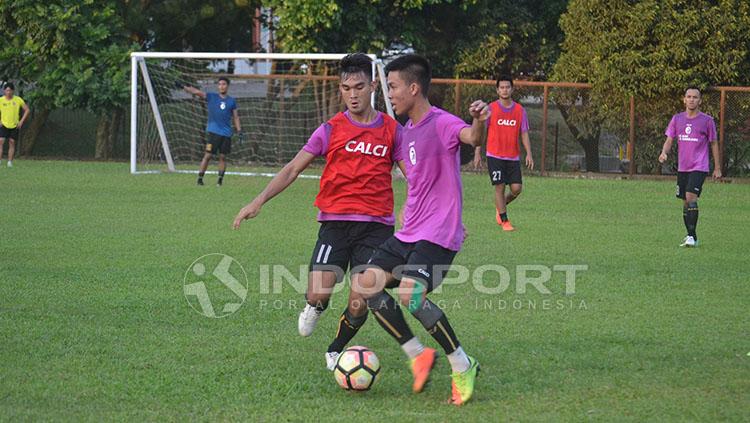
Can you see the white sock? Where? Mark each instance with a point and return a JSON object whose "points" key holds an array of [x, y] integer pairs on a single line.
{"points": [[459, 360], [413, 348]]}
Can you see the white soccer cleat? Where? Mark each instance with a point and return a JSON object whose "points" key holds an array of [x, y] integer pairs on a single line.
{"points": [[689, 241], [10, 163], [331, 359], [308, 318]]}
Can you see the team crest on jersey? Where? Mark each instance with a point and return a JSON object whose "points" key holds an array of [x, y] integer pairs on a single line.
{"points": [[367, 148], [688, 130], [412, 154], [223, 105], [506, 122]]}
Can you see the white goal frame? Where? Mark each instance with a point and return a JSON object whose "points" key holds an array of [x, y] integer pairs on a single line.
{"points": [[138, 64]]}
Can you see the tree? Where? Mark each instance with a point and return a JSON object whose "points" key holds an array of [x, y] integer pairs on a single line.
{"points": [[651, 50], [190, 25], [463, 38], [67, 55]]}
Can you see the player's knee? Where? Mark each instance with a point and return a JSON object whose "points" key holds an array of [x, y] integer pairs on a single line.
{"points": [[516, 190], [369, 283], [411, 294], [12, 142]]}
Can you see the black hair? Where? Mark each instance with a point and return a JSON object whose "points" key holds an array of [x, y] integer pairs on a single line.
{"points": [[413, 68], [504, 77], [356, 63], [693, 87], [225, 79], [9, 85]]}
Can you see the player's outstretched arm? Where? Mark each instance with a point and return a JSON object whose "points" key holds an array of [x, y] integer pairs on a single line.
{"points": [[283, 179], [473, 135], [665, 150], [194, 91]]}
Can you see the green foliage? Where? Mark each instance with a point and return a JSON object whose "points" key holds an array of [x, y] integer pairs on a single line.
{"points": [[190, 25], [70, 55], [471, 38], [301, 23], [652, 50]]}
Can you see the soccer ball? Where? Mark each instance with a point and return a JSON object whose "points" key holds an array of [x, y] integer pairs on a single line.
{"points": [[356, 369]]}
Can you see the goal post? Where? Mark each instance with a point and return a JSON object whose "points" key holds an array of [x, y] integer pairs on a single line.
{"points": [[281, 98]]}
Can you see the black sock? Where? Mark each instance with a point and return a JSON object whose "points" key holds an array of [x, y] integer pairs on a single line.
{"points": [[200, 174], [347, 328], [692, 218], [390, 317], [221, 176], [443, 333], [504, 217], [684, 216], [320, 306]]}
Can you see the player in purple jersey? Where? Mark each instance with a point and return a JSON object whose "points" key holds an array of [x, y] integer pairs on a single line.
{"points": [[694, 131], [356, 175], [417, 257]]}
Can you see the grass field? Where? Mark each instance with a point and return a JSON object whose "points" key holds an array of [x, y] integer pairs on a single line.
{"points": [[94, 324]]}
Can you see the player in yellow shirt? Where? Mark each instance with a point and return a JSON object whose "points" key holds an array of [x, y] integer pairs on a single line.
{"points": [[12, 121]]}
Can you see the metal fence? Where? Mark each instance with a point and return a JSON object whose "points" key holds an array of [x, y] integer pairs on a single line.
{"points": [[565, 136]]}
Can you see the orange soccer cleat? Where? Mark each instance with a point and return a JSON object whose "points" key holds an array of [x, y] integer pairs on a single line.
{"points": [[421, 367]]}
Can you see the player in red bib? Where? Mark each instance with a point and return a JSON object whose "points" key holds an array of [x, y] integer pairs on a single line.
{"points": [[355, 200], [507, 122]]}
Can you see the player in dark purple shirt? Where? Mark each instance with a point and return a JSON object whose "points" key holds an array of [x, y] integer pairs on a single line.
{"points": [[417, 257], [694, 131]]}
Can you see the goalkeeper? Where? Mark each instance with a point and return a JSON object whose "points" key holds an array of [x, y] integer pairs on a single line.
{"points": [[222, 109]]}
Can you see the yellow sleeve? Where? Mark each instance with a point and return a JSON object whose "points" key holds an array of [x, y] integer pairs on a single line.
{"points": [[21, 101]]}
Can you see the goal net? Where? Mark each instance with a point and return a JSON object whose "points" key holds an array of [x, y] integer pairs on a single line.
{"points": [[281, 100]]}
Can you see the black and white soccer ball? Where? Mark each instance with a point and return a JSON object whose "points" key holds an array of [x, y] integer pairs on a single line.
{"points": [[356, 369]]}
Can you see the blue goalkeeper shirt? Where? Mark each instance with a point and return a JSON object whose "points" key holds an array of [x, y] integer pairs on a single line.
{"points": [[220, 114]]}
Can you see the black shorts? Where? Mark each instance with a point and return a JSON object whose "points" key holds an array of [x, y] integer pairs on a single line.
{"points": [[344, 245], [217, 144], [690, 182], [421, 260], [6, 133], [504, 171]]}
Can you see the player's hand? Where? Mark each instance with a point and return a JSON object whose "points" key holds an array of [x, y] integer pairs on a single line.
{"points": [[477, 163], [479, 110], [248, 212], [20, 125], [529, 162], [662, 158], [717, 174]]}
